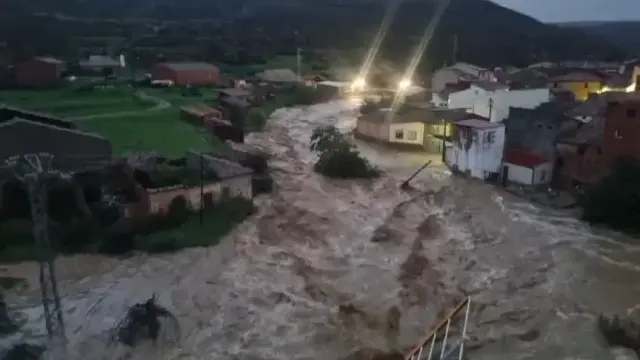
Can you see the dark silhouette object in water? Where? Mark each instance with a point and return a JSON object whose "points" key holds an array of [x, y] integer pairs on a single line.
{"points": [[22, 351], [619, 331], [6, 324], [144, 322]]}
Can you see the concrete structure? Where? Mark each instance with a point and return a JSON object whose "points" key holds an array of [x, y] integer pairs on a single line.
{"points": [[39, 71], [525, 168], [476, 148], [456, 73], [186, 73], [621, 133]]}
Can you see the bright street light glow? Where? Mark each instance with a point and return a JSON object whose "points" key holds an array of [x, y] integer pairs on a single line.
{"points": [[404, 84], [358, 84]]}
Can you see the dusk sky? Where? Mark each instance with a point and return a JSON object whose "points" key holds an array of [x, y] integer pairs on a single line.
{"points": [[576, 10]]}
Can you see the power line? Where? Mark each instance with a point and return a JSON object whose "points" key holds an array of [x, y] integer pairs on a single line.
{"points": [[36, 172]]}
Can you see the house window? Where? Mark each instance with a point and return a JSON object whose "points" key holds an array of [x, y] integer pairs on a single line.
{"points": [[399, 134], [543, 175], [617, 134], [631, 113], [586, 85], [412, 135], [490, 137], [155, 208], [555, 85]]}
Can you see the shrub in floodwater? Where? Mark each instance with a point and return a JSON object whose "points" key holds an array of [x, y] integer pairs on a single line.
{"points": [[338, 158], [616, 200]]}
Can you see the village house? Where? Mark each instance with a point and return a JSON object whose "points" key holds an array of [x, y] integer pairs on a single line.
{"points": [[98, 64], [211, 119], [409, 127], [279, 76], [494, 100], [476, 148], [585, 154], [38, 71], [186, 73], [200, 178], [526, 168], [536, 130], [440, 98], [580, 83], [457, 73]]}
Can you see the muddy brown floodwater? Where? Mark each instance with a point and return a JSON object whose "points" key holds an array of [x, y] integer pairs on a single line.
{"points": [[328, 267]]}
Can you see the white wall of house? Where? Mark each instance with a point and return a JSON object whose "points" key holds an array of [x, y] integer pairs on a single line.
{"points": [[439, 100], [538, 175], [484, 155], [495, 105], [407, 133], [443, 77], [466, 98]]}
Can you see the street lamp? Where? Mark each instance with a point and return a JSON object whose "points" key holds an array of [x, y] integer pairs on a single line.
{"points": [[358, 84], [404, 84]]}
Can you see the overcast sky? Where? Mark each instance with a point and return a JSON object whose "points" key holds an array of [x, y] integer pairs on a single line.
{"points": [[576, 10]]}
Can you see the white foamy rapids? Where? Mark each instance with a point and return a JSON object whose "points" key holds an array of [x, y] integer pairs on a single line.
{"points": [[274, 288]]}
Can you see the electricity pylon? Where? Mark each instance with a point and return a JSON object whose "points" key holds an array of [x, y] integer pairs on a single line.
{"points": [[36, 172]]}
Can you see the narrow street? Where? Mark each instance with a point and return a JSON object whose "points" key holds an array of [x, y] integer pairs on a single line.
{"points": [[275, 287]]}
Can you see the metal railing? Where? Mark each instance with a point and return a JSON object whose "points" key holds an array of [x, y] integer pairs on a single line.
{"points": [[430, 348]]}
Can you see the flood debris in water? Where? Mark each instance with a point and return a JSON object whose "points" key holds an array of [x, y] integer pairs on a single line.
{"points": [[621, 331], [145, 321]]}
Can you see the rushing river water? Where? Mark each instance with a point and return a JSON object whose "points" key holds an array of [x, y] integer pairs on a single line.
{"points": [[272, 289]]}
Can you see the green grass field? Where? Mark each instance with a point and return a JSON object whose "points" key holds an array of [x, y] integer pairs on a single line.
{"points": [[72, 103], [175, 97], [160, 131]]}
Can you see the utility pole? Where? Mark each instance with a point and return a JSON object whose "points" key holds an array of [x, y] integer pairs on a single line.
{"points": [[35, 171], [299, 62], [455, 49], [200, 212]]}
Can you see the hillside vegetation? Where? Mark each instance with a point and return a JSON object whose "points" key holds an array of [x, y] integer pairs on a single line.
{"points": [[255, 30], [622, 33]]}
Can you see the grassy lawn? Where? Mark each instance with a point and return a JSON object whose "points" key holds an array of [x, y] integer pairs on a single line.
{"points": [[72, 103], [160, 131], [175, 97]]}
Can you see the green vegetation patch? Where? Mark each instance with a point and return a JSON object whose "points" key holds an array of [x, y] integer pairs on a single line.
{"points": [[180, 96], [76, 102], [161, 131]]}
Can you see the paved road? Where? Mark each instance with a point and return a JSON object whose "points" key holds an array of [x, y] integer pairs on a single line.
{"points": [[160, 104]]}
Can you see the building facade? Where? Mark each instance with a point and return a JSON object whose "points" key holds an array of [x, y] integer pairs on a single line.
{"points": [[186, 73], [526, 168], [581, 84], [39, 71], [621, 133], [476, 148]]}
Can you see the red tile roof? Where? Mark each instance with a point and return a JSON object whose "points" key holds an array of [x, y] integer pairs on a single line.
{"points": [[523, 158]]}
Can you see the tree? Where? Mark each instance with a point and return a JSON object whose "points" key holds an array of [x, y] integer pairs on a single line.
{"points": [[616, 200], [255, 119], [304, 95], [337, 156]]}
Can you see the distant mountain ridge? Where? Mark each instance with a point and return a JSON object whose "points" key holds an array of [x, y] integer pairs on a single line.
{"points": [[487, 34], [622, 33]]}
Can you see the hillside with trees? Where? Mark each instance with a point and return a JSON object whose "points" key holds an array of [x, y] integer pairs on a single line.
{"points": [[251, 30], [621, 33]]}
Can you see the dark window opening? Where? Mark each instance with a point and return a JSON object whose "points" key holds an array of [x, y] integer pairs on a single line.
{"points": [[399, 134], [586, 85], [582, 149], [549, 127], [208, 200]]}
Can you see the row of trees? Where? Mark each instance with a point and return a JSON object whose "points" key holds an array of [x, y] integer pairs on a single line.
{"points": [[615, 201]]}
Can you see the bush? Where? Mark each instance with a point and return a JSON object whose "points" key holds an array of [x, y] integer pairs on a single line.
{"points": [[338, 158], [256, 119], [616, 200], [304, 95]]}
